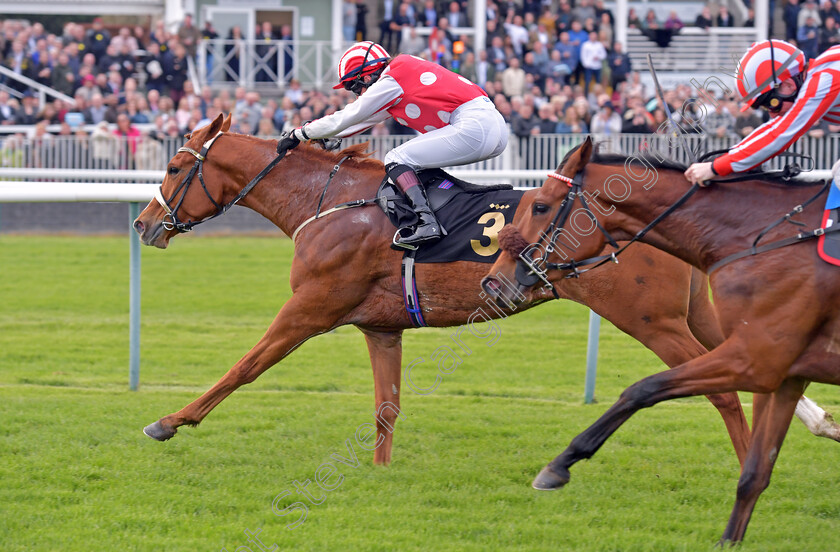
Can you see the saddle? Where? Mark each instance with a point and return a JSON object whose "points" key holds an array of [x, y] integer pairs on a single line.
{"points": [[471, 214], [441, 188]]}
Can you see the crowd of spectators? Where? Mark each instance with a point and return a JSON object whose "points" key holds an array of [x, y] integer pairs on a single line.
{"points": [[550, 67]]}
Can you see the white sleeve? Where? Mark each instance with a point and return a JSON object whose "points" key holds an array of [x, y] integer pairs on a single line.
{"points": [[366, 111]]}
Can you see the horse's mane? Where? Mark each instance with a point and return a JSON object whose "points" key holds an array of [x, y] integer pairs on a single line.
{"points": [[647, 159]]}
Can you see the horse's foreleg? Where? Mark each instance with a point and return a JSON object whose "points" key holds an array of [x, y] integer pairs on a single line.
{"points": [[385, 350], [712, 373], [296, 322], [769, 430]]}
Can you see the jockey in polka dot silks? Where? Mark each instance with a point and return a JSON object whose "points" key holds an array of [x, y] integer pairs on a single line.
{"points": [[774, 75], [457, 122]]}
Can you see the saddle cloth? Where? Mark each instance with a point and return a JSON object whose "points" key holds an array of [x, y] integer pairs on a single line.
{"points": [[828, 245], [471, 214]]}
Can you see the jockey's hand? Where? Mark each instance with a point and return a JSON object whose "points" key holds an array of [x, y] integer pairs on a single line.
{"points": [[287, 142], [700, 173]]}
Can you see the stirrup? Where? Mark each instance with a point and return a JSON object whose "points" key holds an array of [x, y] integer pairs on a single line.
{"points": [[408, 246]]}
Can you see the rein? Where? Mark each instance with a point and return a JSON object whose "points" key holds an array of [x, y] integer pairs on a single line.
{"points": [[318, 214], [755, 249], [528, 272], [170, 220]]}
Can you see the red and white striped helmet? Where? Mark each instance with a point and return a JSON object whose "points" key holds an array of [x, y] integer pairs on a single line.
{"points": [[362, 58], [755, 73]]}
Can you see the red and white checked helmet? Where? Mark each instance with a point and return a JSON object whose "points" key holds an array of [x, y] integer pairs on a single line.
{"points": [[362, 58], [755, 69]]}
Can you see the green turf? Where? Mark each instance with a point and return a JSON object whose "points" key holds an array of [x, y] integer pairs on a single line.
{"points": [[76, 473]]}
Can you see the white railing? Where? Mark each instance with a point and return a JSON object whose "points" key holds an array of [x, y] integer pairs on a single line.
{"points": [[265, 64], [64, 154]]}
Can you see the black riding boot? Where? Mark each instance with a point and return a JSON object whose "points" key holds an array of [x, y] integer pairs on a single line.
{"points": [[428, 228]]}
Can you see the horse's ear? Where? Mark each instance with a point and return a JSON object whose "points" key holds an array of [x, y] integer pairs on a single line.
{"points": [[214, 127], [226, 123], [585, 151]]}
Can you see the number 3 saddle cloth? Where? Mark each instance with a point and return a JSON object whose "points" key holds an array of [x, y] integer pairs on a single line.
{"points": [[471, 214]]}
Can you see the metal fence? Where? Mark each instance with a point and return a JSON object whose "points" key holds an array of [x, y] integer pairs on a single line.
{"points": [[266, 63], [533, 153]]}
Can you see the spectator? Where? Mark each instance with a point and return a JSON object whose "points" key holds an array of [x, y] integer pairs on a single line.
{"points": [[104, 147], [704, 20], [468, 68], [456, 17], [548, 120], [829, 10], [790, 16], [673, 23], [177, 74], [719, 123], [386, 37], [129, 135], [149, 153], [497, 56], [724, 19], [571, 123], [412, 43], [809, 9], [565, 17], [349, 18], [651, 22], [592, 56], [523, 122], [513, 79], [361, 20], [234, 47], [535, 71], [7, 109], [750, 20], [124, 37], [619, 64], [429, 15], [577, 36], [294, 93], [288, 48], [266, 53], [189, 35], [807, 37], [485, 71], [97, 38], [27, 113], [633, 20], [746, 122], [584, 10], [636, 119], [829, 35], [606, 121], [518, 34], [248, 115]]}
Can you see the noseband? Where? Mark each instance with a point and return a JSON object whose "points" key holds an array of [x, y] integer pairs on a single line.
{"points": [[170, 219], [529, 272]]}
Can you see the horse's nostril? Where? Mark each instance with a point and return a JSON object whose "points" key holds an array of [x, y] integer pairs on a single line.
{"points": [[491, 286], [139, 226]]}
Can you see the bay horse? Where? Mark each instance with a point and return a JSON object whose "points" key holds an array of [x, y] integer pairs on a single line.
{"points": [[344, 272], [778, 309]]}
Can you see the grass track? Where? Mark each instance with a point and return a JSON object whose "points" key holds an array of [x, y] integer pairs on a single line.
{"points": [[77, 473]]}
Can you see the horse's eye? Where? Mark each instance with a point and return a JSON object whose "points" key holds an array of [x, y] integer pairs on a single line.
{"points": [[540, 209], [173, 171]]}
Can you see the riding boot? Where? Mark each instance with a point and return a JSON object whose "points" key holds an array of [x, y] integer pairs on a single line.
{"points": [[428, 228]]}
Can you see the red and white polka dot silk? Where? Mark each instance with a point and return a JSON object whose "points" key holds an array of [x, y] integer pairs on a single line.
{"points": [[430, 93]]}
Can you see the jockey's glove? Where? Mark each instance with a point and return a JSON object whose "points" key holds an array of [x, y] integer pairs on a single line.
{"points": [[300, 134], [287, 142]]}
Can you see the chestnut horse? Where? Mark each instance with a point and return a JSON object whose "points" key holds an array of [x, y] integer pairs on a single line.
{"points": [[344, 272], [778, 309]]}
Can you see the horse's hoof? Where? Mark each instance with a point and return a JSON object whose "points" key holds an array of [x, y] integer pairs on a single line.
{"points": [[158, 432], [549, 480]]}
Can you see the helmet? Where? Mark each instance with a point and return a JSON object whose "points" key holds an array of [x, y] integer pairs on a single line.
{"points": [[764, 67], [360, 60]]}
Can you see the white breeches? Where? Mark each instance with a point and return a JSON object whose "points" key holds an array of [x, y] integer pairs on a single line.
{"points": [[476, 131]]}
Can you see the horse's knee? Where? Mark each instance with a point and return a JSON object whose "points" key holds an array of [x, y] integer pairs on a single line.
{"points": [[642, 394], [386, 416]]}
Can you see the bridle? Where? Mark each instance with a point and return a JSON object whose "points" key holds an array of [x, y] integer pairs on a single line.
{"points": [[529, 272], [170, 219]]}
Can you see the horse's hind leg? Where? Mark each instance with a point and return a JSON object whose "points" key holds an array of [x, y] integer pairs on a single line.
{"points": [[385, 350], [296, 322], [769, 432]]}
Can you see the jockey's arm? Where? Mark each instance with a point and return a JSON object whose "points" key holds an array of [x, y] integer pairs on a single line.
{"points": [[368, 109], [819, 94]]}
